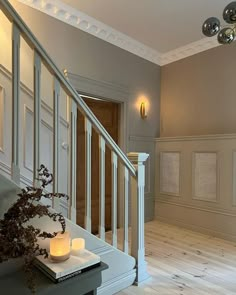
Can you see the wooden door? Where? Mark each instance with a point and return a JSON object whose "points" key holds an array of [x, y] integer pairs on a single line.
{"points": [[107, 114]]}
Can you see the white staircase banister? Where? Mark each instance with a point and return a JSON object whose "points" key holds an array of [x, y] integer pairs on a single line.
{"points": [[126, 170], [68, 88], [137, 216]]}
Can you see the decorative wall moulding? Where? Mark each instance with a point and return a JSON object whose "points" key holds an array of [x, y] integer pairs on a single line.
{"points": [[170, 173], [205, 176], [209, 210], [90, 25], [30, 93], [82, 21], [98, 87], [142, 138], [234, 177], [197, 137], [188, 50], [2, 116]]}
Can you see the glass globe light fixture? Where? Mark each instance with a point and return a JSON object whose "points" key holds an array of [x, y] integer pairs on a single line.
{"points": [[229, 13], [211, 27], [226, 35]]}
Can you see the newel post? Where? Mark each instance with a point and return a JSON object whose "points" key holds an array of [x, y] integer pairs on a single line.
{"points": [[137, 215]]}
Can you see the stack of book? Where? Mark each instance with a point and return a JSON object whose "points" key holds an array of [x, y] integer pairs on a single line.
{"points": [[75, 265]]}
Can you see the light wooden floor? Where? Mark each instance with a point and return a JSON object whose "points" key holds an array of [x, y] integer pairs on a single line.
{"points": [[184, 262]]}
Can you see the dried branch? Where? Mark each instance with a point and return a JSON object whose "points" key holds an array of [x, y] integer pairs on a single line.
{"points": [[20, 240]]}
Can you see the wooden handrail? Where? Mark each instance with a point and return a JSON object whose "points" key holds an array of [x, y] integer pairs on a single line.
{"points": [[32, 41]]}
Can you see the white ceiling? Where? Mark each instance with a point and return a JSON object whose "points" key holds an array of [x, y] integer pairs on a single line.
{"points": [[163, 25], [161, 31]]}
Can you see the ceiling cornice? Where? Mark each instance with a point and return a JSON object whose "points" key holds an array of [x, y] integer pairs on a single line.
{"points": [[82, 21], [188, 50]]}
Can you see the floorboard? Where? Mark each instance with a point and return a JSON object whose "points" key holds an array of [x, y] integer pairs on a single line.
{"points": [[183, 262]]}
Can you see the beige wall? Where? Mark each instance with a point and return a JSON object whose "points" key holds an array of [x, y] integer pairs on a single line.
{"points": [[198, 94], [198, 101], [83, 54]]}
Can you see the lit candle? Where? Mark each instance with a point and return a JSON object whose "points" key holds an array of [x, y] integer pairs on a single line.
{"points": [[60, 246], [77, 246]]}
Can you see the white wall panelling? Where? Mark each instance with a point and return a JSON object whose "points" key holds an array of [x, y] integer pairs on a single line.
{"points": [[234, 178], [208, 185], [147, 188], [205, 176], [26, 135], [28, 139], [170, 173], [2, 116], [5, 121]]}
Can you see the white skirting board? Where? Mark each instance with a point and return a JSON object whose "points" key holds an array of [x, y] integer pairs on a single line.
{"points": [[218, 224]]}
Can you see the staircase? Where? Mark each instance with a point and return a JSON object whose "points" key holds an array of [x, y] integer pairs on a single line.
{"points": [[17, 168]]}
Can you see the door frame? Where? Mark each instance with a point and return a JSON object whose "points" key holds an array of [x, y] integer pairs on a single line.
{"points": [[114, 93], [109, 92]]}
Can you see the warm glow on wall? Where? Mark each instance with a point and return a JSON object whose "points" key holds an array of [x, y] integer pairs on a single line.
{"points": [[5, 41], [142, 105]]}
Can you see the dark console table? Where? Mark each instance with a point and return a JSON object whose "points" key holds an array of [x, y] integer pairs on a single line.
{"points": [[14, 282]]}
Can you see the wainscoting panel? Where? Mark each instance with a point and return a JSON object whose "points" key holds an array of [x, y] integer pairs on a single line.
{"points": [[5, 122], [205, 176], [170, 173], [234, 178], [2, 116], [28, 139], [207, 179], [26, 136]]}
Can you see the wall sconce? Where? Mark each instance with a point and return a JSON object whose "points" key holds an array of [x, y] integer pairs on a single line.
{"points": [[143, 111], [60, 247]]}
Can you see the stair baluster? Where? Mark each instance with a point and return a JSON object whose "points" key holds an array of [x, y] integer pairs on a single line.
{"points": [[114, 163], [88, 203], [126, 212], [102, 204], [56, 142], [37, 115], [73, 158], [15, 102]]}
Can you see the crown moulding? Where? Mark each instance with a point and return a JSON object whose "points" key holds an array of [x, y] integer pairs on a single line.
{"points": [[82, 21], [188, 50]]}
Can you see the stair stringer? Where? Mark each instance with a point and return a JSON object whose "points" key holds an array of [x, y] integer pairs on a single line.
{"points": [[121, 272]]}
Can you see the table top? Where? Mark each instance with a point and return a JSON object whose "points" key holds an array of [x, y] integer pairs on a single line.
{"points": [[15, 282]]}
